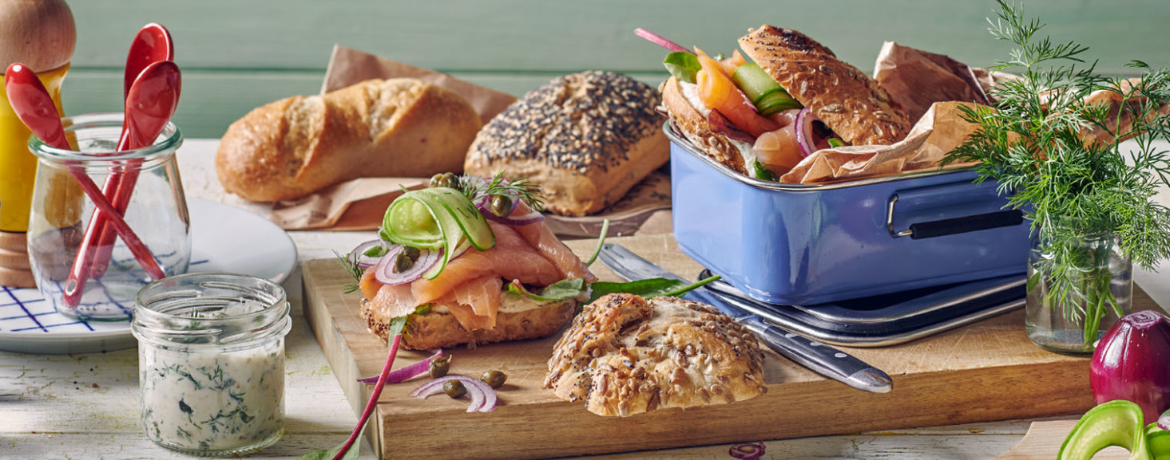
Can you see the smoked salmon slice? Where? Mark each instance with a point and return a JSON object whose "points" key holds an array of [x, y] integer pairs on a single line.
{"points": [[511, 259], [483, 296], [540, 237], [395, 300]]}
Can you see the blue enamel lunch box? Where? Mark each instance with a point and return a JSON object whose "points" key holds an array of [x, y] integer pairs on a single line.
{"points": [[796, 244]]}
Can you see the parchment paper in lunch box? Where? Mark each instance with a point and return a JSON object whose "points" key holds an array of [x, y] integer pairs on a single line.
{"points": [[939, 131]]}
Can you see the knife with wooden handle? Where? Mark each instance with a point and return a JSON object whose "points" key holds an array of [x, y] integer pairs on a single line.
{"points": [[816, 356]]}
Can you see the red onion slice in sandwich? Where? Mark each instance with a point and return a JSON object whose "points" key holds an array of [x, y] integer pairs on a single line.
{"points": [[386, 272], [804, 132]]}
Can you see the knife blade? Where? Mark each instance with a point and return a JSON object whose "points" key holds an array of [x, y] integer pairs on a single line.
{"points": [[816, 356]]}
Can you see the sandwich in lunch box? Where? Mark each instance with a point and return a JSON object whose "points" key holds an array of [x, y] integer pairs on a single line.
{"points": [[761, 118]]}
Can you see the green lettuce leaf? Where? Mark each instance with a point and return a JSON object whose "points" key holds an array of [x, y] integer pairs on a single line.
{"points": [[683, 65]]}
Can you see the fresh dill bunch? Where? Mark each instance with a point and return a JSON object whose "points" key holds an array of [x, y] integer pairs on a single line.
{"points": [[474, 187], [351, 267], [1056, 152]]}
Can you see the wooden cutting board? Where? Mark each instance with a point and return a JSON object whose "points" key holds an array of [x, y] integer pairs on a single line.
{"points": [[982, 372]]}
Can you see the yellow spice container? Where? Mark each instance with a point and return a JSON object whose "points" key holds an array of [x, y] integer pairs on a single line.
{"points": [[41, 35]]}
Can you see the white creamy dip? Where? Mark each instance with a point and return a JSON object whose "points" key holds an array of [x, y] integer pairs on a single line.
{"points": [[212, 401]]}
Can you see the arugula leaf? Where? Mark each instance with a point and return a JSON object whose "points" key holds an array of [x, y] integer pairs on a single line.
{"points": [[376, 251], [560, 290], [763, 173], [682, 65], [653, 287]]}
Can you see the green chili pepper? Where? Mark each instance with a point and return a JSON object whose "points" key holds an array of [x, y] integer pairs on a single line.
{"points": [[1115, 423]]}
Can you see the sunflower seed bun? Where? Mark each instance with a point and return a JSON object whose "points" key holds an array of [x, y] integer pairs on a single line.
{"points": [[584, 138]]}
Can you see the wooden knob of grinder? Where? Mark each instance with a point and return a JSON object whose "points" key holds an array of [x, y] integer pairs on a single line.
{"points": [[38, 33]]}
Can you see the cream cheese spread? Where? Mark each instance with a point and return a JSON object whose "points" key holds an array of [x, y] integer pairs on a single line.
{"points": [[690, 91]]}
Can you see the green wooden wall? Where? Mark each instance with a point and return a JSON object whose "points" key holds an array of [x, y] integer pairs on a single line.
{"points": [[238, 54]]}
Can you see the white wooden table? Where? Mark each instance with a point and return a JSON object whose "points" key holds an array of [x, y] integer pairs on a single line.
{"points": [[85, 406]]}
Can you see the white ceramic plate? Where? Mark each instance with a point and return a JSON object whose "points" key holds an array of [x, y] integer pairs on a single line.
{"points": [[223, 239]]}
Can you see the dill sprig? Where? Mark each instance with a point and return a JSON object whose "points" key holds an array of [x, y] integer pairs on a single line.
{"points": [[1058, 156], [351, 267], [474, 188]]}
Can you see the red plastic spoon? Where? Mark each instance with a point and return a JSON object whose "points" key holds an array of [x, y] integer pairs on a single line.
{"points": [[35, 107], [149, 106], [152, 44]]}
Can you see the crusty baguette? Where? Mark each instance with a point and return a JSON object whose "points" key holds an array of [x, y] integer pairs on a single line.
{"points": [[626, 355], [849, 102], [585, 139], [693, 125], [437, 329], [295, 146]]}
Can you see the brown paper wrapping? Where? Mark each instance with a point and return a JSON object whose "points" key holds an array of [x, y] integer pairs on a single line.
{"points": [[359, 204], [349, 66], [930, 87], [938, 132]]}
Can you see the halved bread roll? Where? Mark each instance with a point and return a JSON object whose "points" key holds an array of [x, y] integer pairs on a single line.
{"points": [[626, 355]]}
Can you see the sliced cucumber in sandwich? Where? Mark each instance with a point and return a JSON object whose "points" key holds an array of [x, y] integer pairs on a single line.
{"points": [[767, 95]]}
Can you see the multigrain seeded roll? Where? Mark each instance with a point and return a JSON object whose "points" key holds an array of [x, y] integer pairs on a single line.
{"points": [[849, 102], [584, 138], [626, 355]]}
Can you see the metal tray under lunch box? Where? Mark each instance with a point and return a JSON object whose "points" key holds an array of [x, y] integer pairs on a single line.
{"points": [[887, 319], [798, 244]]}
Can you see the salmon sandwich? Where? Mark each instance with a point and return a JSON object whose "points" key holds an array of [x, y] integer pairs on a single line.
{"points": [[461, 260], [762, 118]]}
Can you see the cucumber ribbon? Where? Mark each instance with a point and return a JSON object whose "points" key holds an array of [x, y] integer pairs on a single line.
{"points": [[437, 218], [1116, 423]]}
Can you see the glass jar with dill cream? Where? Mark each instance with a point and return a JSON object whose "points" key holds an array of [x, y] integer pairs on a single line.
{"points": [[211, 362]]}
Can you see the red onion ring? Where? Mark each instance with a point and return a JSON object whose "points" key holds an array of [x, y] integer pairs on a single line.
{"points": [[406, 373], [385, 273], [359, 257], [659, 40], [804, 134], [483, 397]]}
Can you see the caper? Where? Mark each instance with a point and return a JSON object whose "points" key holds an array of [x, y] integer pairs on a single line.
{"points": [[445, 180], [494, 379], [454, 388], [501, 205], [402, 262], [411, 252], [439, 367]]}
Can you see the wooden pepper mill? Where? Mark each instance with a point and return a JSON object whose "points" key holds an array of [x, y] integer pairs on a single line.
{"points": [[41, 35]]}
